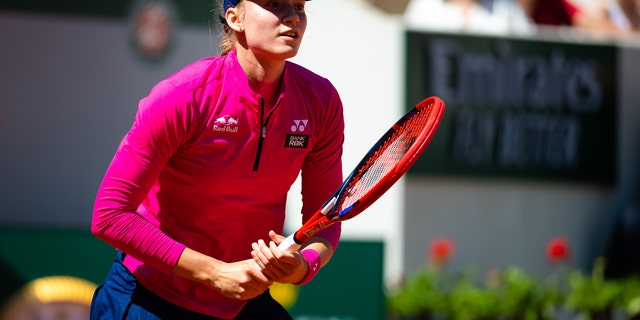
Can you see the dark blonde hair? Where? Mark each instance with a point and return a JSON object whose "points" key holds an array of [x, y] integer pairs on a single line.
{"points": [[228, 36]]}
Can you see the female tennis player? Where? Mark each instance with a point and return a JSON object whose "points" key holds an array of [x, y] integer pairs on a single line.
{"points": [[194, 198]]}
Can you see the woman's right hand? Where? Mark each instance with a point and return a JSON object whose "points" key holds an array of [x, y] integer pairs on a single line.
{"points": [[240, 280]]}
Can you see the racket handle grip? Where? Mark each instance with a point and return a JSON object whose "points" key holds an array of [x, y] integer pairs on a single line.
{"points": [[289, 244]]}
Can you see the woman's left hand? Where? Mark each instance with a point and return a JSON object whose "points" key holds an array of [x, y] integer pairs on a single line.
{"points": [[277, 265]]}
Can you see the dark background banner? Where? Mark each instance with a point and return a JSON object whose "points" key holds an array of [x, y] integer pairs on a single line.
{"points": [[517, 108]]}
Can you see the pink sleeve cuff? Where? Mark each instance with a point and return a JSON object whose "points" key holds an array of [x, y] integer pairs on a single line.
{"points": [[314, 261]]}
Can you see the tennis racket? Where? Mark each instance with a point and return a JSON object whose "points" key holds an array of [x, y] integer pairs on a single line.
{"points": [[390, 158]]}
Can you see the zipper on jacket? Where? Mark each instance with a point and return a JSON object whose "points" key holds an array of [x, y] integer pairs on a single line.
{"points": [[264, 120], [263, 133]]}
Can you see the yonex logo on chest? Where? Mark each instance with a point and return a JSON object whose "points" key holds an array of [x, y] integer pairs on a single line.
{"points": [[299, 125]]}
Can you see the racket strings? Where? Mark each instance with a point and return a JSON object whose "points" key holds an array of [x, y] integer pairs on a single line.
{"points": [[383, 160]]}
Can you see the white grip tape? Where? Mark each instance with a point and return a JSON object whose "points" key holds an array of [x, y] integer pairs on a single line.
{"points": [[289, 244]]}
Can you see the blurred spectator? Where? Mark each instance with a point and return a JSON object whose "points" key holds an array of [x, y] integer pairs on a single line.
{"points": [[567, 13], [603, 17], [499, 16], [550, 12], [624, 14], [511, 16]]}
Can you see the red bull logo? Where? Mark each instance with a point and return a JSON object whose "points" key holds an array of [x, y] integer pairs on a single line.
{"points": [[226, 124]]}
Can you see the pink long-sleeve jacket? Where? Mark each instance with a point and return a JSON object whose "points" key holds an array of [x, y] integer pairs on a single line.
{"points": [[206, 165]]}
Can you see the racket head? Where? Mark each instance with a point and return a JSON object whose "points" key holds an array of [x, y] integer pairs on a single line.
{"points": [[388, 160]]}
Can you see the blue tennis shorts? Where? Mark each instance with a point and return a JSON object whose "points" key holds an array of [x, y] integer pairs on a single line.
{"points": [[122, 297]]}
